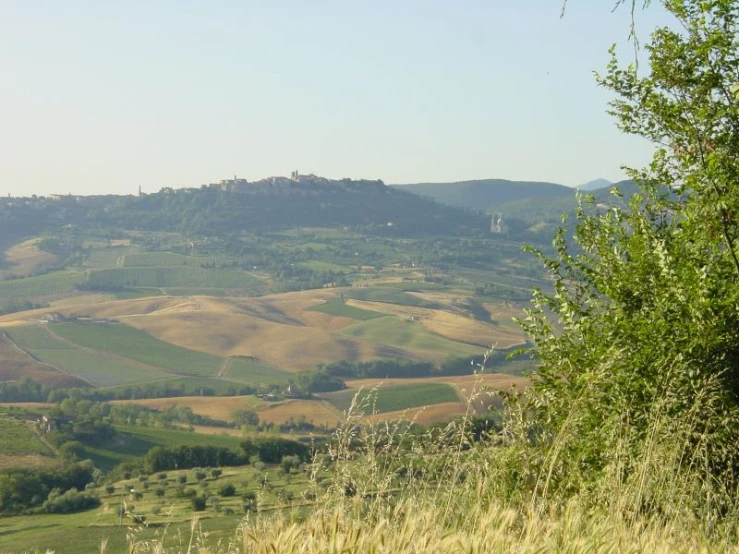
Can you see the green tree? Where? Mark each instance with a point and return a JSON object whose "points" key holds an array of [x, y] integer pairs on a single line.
{"points": [[638, 345]]}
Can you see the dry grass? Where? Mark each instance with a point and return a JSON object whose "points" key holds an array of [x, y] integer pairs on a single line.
{"points": [[216, 407], [449, 325], [25, 257], [314, 411], [10, 461]]}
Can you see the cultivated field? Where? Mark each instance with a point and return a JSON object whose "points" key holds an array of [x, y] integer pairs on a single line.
{"points": [[407, 334], [42, 285], [164, 259], [133, 344], [314, 411], [16, 365], [451, 325], [25, 258], [249, 371], [391, 398], [216, 407], [185, 276], [18, 439]]}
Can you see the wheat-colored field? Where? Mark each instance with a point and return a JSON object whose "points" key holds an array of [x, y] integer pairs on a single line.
{"points": [[216, 407], [315, 411], [10, 461], [25, 257], [448, 325]]}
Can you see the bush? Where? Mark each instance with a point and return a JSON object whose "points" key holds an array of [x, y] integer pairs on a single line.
{"points": [[227, 490], [272, 449], [110, 489], [216, 472], [70, 501], [182, 479], [199, 474], [160, 492], [198, 503]]}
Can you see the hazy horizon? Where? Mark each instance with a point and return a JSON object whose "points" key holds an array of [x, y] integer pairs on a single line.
{"points": [[104, 98]]}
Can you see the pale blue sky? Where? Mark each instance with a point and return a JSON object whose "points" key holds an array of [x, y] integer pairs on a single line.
{"points": [[104, 97]]}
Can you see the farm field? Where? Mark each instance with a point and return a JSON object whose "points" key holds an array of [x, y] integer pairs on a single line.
{"points": [[390, 295], [15, 366], [450, 324], [391, 398], [50, 284], [216, 407], [252, 372], [337, 307], [137, 441], [25, 258], [96, 368], [314, 411], [407, 334], [18, 439], [164, 259], [131, 343], [192, 277]]}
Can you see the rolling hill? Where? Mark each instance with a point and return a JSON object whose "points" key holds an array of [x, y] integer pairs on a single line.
{"points": [[486, 193]]}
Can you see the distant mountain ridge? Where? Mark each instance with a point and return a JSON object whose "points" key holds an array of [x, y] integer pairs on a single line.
{"points": [[486, 193], [594, 185]]}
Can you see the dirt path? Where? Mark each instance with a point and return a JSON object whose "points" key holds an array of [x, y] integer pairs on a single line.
{"points": [[225, 367]]}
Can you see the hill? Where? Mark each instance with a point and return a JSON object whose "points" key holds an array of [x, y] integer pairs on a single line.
{"points": [[280, 203], [486, 193], [594, 185]]}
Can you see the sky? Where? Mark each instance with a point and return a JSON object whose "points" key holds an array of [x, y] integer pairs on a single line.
{"points": [[105, 97]]}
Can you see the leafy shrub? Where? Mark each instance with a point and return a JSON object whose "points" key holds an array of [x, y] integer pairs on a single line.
{"points": [[227, 490], [69, 501]]}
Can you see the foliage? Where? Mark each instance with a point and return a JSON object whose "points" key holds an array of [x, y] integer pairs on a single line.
{"points": [[638, 345], [69, 501], [21, 489], [271, 450], [318, 381], [183, 457]]}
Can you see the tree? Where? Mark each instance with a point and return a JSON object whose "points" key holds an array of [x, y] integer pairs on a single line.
{"points": [[638, 345]]}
